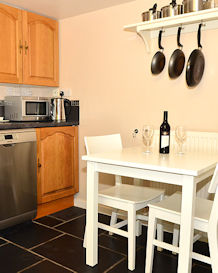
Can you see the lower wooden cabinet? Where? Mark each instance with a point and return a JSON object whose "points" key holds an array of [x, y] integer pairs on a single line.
{"points": [[57, 157]]}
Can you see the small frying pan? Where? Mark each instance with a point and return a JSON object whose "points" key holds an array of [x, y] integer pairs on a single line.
{"points": [[158, 61], [196, 63], [177, 59]]}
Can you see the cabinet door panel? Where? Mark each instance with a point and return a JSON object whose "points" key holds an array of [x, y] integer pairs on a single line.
{"points": [[41, 66], [58, 158], [11, 40]]}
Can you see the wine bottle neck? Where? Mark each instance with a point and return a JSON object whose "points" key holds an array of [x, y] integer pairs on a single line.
{"points": [[165, 115]]}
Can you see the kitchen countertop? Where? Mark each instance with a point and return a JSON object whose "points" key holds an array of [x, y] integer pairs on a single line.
{"points": [[34, 124]]}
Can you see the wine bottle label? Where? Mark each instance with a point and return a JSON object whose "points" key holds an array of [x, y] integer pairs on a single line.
{"points": [[165, 141]]}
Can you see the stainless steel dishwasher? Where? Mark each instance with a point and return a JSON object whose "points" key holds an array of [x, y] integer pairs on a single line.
{"points": [[18, 176]]}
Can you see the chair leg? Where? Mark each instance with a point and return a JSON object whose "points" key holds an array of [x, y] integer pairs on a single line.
{"points": [[175, 236], [113, 220], [131, 237], [150, 237], [213, 247], [84, 239], [160, 233], [138, 228]]}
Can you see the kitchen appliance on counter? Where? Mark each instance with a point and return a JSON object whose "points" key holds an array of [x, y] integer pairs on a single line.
{"points": [[72, 111], [19, 108], [57, 108], [18, 182]]}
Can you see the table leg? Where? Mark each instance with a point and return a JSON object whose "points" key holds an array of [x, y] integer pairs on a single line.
{"points": [[186, 227], [131, 237], [92, 215]]}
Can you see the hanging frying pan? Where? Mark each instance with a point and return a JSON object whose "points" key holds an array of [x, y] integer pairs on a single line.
{"points": [[196, 63], [177, 59], [158, 61]]}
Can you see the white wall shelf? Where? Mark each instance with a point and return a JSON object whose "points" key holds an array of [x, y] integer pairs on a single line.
{"points": [[189, 22]]}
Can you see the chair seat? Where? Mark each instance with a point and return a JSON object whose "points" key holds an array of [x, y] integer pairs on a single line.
{"points": [[172, 204], [131, 193]]}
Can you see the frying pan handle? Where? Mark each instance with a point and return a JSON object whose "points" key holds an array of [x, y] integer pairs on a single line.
{"points": [[199, 36], [178, 37], [159, 39]]}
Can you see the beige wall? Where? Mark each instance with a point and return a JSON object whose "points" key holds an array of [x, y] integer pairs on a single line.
{"points": [[108, 70]]}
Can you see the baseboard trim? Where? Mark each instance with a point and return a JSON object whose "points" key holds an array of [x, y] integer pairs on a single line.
{"points": [[54, 206], [81, 203]]}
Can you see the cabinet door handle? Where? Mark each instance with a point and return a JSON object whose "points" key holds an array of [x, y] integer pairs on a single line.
{"points": [[20, 47], [39, 164], [26, 47]]}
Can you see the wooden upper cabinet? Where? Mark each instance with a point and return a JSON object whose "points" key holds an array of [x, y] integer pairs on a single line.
{"points": [[29, 48], [10, 43], [40, 52]]}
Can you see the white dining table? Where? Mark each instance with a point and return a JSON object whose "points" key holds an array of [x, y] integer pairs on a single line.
{"points": [[186, 170]]}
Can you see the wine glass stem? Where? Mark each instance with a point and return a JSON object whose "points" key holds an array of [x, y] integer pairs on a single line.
{"points": [[180, 148]]}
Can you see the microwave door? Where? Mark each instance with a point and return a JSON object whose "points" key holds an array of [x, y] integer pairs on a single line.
{"points": [[36, 108]]}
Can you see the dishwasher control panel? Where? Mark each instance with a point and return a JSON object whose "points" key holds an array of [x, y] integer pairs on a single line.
{"points": [[8, 138], [17, 136]]}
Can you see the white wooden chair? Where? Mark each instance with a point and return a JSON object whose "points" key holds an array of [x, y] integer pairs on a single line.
{"points": [[205, 220], [129, 198]]}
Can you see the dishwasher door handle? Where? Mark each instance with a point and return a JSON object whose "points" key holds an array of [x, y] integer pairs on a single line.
{"points": [[8, 145]]}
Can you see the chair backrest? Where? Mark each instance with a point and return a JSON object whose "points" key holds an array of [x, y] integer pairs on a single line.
{"points": [[214, 181], [213, 188], [98, 144]]}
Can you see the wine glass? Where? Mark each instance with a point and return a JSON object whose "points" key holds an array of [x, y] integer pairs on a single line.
{"points": [[147, 137], [180, 134]]}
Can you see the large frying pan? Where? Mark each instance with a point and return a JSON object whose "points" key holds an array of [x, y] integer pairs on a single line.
{"points": [[177, 59], [158, 61], [196, 63]]}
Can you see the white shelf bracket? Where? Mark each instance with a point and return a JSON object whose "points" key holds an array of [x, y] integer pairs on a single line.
{"points": [[145, 35]]}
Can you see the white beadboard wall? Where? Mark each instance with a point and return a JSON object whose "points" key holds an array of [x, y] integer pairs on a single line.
{"points": [[204, 141]]}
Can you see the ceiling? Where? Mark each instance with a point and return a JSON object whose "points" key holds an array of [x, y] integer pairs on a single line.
{"points": [[60, 9]]}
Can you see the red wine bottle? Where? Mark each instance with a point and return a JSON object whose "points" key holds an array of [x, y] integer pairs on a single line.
{"points": [[165, 135]]}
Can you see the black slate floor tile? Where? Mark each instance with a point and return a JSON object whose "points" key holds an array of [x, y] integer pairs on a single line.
{"points": [[68, 251], [77, 227], [28, 234], [123, 266], [48, 221], [162, 264], [46, 267], [2, 242], [13, 259], [201, 269], [105, 219], [202, 248], [165, 263], [69, 213], [118, 244]]}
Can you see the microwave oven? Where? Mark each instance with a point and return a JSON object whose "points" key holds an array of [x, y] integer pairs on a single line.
{"points": [[20, 108]]}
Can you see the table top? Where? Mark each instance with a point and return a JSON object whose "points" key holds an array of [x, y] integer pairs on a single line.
{"points": [[190, 163]]}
